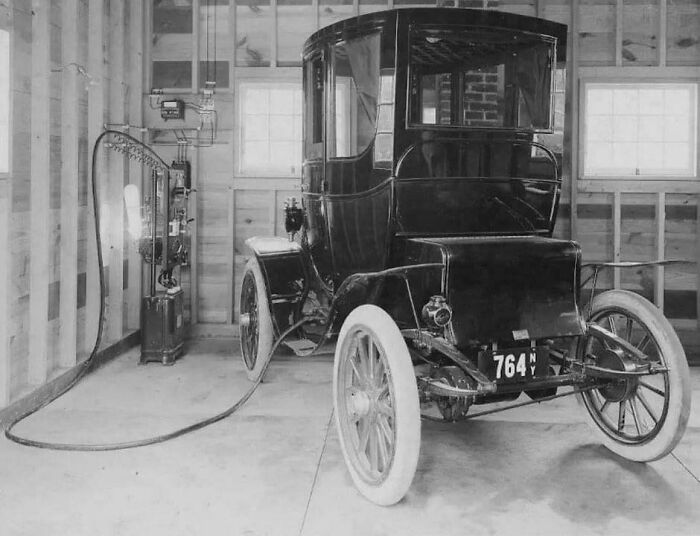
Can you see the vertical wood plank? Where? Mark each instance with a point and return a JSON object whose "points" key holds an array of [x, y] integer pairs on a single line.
{"points": [[5, 370], [272, 218], [573, 79], [273, 35], [39, 193], [5, 264], [69, 188], [231, 257], [663, 12], [617, 204], [116, 176], [147, 43], [194, 241], [96, 101], [234, 40], [619, 12], [660, 249], [195, 46], [697, 256], [137, 68]]}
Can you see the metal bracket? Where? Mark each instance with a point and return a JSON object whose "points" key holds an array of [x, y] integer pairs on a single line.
{"points": [[449, 350]]}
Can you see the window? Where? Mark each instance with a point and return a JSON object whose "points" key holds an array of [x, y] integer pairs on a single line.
{"points": [[354, 94], [471, 77], [4, 101], [314, 109], [270, 129], [640, 129]]}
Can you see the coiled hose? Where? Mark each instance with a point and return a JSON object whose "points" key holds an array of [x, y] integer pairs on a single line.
{"points": [[86, 365]]}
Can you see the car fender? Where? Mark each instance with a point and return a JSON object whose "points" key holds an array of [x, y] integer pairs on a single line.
{"points": [[284, 266]]}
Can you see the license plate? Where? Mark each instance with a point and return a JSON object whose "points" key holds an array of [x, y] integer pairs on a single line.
{"points": [[516, 365]]}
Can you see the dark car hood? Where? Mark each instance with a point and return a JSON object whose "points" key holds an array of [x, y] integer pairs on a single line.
{"points": [[507, 289]]}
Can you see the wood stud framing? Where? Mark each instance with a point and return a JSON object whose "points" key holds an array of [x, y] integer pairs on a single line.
{"points": [[49, 289], [38, 358], [68, 315]]}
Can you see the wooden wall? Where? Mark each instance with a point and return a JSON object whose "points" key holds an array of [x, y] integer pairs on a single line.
{"points": [[614, 219], [75, 65]]}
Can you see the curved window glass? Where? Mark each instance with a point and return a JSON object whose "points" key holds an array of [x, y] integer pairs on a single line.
{"points": [[481, 77], [353, 95]]}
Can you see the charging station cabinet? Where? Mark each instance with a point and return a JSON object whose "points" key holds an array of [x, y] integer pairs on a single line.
{"points": [[162, 327]]}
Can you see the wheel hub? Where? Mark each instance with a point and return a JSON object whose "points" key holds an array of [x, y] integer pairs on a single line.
{"points": [[616, 390], [244, 320], [360, 404]]}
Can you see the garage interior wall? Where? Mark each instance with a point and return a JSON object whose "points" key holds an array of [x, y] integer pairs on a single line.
{"points": [[259, 42], [74, 66]]}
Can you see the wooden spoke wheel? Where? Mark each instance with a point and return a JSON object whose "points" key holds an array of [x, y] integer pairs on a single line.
{"points": [[376, 405], [255, 321], [641, 418]]}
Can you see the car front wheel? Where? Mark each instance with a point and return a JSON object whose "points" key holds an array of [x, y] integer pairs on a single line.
{"points": [[377, 412]]}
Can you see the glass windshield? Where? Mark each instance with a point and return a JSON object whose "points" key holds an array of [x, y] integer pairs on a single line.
{"points": [[481, 77]]}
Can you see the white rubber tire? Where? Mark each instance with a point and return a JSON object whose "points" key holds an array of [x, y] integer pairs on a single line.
{"points": [[679, 392], [265, 333], [386, 336]]}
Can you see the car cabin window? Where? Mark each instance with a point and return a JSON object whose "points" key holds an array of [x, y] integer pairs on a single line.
{"points": [[313, 147], [353, 95], [481, 78]]}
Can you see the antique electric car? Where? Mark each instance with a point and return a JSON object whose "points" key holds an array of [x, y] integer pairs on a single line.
{"points": [[431, 182]]}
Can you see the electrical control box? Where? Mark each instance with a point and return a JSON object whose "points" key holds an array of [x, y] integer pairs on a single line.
{"points": [[162, 327], [172, 109], [181, 175]]}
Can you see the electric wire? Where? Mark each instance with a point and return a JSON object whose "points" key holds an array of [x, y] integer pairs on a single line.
{"points": [[87, 365]]}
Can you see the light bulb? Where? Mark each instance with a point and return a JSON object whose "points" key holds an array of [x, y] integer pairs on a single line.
{"points": [[132, 201]]}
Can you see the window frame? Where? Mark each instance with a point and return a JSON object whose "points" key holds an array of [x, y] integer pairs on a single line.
{"points": [[330, 97], [412, 124], [637, 81], [269, 77]]}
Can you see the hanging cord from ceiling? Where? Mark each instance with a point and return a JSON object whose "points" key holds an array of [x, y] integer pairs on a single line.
{"points": [[133, 148]]}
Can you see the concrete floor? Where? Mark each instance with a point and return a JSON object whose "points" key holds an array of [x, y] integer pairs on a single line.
{"points": [[275, 468]]}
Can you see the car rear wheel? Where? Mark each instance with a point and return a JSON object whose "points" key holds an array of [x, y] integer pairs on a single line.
{"points": [[377, 412], [255, 321], [641, 418]]}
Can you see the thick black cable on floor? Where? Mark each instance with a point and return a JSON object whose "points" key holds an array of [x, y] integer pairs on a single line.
{"points": [[86, 365]]}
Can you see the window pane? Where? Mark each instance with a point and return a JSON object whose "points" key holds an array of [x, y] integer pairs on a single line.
{"points": [[640, 129], [356, 92], [314, 80], [253, 33], [510, 89], [270, 129]]}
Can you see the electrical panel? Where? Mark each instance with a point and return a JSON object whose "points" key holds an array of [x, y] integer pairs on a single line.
{"points": [[172, 109]]}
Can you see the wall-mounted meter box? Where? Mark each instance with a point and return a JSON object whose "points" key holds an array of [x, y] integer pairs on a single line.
{"points": [[172, 109]]}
